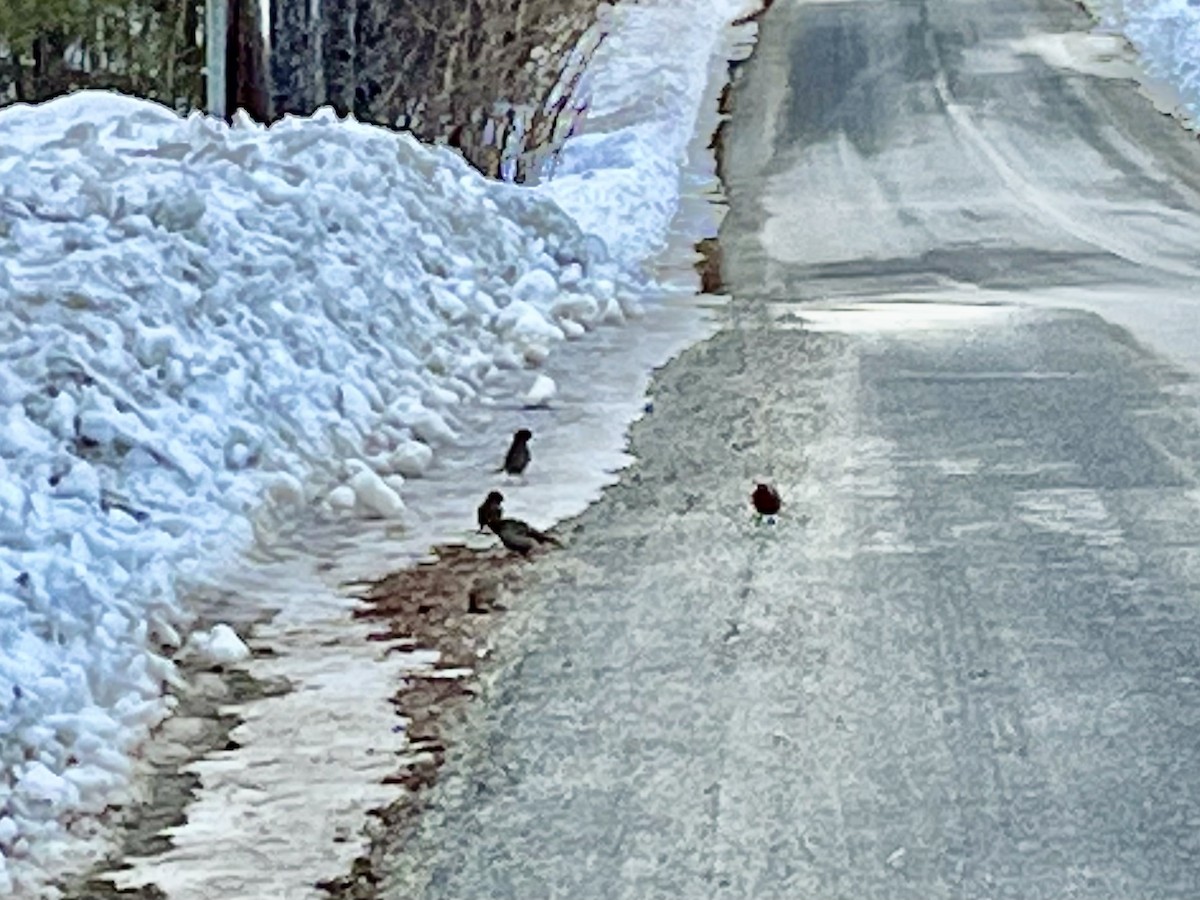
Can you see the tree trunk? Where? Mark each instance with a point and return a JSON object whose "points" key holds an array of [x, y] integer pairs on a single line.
{"points": [[367, 75], [246, 62], [173, 42], [339, 53], [39, 65], [22, 96], [127, 33], [193, 55], [292, 58]]}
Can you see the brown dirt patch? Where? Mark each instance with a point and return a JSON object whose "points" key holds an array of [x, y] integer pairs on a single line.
{"points": [[709, 263], [709, 266], [451, 604]]}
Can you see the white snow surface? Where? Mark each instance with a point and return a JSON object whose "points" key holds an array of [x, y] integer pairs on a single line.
{"points": [[541, 392], [620, 178], [219, 646], [1166, 35], [205, 328]]}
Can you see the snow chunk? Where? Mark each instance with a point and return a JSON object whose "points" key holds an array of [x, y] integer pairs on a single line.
{"points": [[531, 330], [541, 392], [45, 792], [342, 498], [285, 489], [220, 646], [537, 287], [372, 494], [411, 459]]}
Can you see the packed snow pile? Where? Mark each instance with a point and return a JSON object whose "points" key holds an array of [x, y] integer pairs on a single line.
{"points": [[622, 179], [199, 322], [1166, 34], [203, 327]]}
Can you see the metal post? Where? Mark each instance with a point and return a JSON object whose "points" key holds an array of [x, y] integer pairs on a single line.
{"points": [[216, 28]]}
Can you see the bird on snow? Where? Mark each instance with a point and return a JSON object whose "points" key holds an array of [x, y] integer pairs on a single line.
{"points": [[489, 509], [518, 453], [518, 536], [766, 500]]}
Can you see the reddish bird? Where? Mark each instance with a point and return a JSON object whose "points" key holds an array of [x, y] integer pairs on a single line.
{"points": [[766, 500]]}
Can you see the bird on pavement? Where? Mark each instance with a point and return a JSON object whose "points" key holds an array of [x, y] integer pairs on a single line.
{"points": [[489, 509], [518, 453], [766, 500]]}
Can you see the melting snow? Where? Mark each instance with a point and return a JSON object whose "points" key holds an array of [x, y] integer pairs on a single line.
{"points": [[208, 328], [202, 322], [205, 327]]}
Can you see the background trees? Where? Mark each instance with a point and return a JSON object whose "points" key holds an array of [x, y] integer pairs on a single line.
{"points": [[151, 48], [479, 74]]}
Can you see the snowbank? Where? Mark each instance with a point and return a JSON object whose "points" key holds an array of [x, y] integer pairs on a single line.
{"points": [[1166, 34], [204, 327], [621, 178], [199, 323]]}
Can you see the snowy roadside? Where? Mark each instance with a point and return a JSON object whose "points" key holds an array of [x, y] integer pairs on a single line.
{"points": [[210, 332], [1166, 36], [175, 377], [348, 720]]}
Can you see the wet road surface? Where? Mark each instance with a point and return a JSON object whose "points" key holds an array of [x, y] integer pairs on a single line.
{"points": [[965, 663]]}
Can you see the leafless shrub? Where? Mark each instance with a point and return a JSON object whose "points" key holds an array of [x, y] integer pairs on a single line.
{"points": [[491, 77], [494, 78]]}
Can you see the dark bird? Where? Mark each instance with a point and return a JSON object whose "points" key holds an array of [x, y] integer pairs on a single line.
{"points": [[518, 453], [766, 500], [520, 537], [489, 509]]}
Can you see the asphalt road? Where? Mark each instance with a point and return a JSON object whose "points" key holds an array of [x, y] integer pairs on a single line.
{"points": [[966, 661], [883, 147]]}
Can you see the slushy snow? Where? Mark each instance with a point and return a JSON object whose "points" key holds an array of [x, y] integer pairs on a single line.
{"points": [[207, 328], [205, 325]]}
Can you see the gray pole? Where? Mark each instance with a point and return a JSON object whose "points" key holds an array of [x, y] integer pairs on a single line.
{"points": [[216, 27]]}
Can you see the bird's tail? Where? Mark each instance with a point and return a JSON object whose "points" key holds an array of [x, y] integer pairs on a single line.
{"points": [[548, 538]]}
